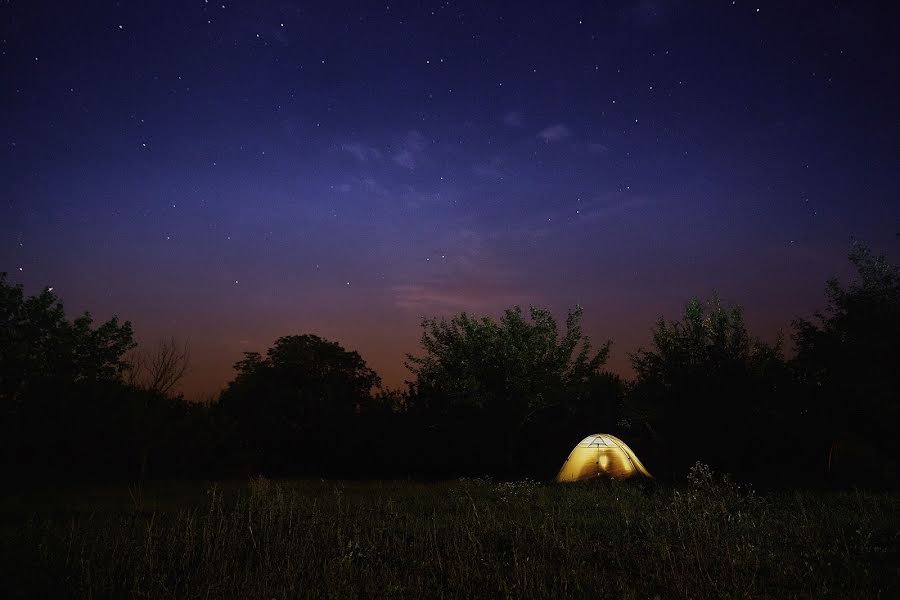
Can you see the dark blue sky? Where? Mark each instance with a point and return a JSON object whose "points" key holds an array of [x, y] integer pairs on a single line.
{"points": [[231, 172]]}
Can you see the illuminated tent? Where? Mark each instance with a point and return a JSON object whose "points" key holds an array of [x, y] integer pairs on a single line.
{"points": [[599, 455]]}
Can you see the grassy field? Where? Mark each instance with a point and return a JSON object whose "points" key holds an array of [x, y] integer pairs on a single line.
{"points": [[460, 539]]}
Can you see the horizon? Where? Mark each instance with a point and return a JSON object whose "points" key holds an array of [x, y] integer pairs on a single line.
{"points": [[230, 174], [198, 389]]}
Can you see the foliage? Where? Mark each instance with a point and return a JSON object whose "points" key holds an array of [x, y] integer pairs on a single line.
{"points": [[495, 377], [710, 538], [847, 359], [41, 351], [298, 404], [57, 378], [506, 397], [68, 408], [712, 390], [512, 365]]}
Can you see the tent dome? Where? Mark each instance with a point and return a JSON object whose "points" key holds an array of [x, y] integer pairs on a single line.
{"points": [[601, 455]]}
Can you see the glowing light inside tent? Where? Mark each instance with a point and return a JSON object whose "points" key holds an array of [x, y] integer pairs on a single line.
{"points": [[601, 455]]}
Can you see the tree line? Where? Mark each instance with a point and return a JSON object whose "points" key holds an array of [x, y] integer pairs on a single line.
{"points": [[505, 397]]}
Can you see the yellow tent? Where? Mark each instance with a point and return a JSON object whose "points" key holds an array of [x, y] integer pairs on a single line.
{"points": [[598, 455]]}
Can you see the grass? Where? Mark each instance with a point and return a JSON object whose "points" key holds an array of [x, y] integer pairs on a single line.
{"points": [[461, 539]]}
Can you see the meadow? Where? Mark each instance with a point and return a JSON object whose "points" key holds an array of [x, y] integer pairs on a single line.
{"points": [[469, 538]]}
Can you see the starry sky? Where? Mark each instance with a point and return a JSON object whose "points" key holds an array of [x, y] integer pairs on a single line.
{"points": [[230, 172]]}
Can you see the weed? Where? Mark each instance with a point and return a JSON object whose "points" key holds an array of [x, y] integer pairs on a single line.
{"points": [[470, 538]]}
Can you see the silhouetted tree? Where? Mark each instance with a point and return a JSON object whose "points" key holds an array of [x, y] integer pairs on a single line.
{"points": [[156, 411], [848, 360], [160, 369], [295, 410], [714, 394], [481, 381], [41, 350], [55, 375], [68, 409]]}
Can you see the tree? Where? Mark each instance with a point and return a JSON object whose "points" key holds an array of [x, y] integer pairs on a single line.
{"points": [[159, 370], [847, 360], [41, 350], [715, 394], [57, 379], [295, 409], [486, 380], [156, 411]]}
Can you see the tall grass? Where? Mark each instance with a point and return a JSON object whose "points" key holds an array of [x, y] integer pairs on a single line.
{"points": [[463, 539]]}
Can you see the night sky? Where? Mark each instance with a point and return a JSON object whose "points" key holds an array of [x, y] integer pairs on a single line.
{"points": [[227, 173]]}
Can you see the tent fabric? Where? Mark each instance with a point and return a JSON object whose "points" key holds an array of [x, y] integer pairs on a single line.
{"points": [[601, 455]]}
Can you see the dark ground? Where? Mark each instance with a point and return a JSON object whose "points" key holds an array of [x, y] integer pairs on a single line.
{"points": [[461, 539]]}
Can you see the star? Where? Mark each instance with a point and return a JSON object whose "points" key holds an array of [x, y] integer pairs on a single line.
{"points": [[366, 165]]}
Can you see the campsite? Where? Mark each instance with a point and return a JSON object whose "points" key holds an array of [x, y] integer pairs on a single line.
{"points": [[449, 299], [300, 481]]}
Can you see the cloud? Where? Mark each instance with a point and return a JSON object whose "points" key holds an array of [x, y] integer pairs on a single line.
{"points": [[474, 291], [411, 150], [554, 133], [405, 158], [468, 276], [598, 148], [408, 152], [602, 209], [372, 185], [362, 152], [492, 169], [489, 172], [513, 118]]}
